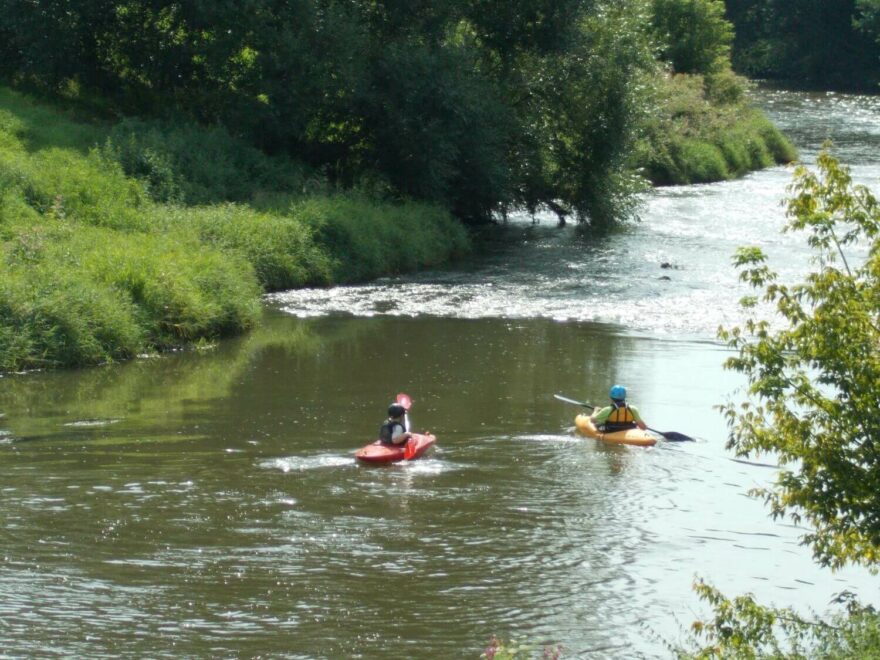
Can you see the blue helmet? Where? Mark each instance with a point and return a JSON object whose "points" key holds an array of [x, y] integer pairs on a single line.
{"points": [[618, 393]]}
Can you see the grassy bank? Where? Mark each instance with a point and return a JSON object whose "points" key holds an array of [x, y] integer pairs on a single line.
{"points": [[705, 129], [119, 239]]}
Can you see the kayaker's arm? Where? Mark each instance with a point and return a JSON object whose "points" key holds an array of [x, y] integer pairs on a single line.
{"points": [[400, 438], [600, 415], [637, 418]]}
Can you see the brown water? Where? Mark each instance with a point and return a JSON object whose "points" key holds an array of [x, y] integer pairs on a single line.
{"points": [[207, 504]]}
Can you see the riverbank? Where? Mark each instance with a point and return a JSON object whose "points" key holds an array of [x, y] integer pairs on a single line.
{"points": [[131, 237], [706, 129], [124, 239]]}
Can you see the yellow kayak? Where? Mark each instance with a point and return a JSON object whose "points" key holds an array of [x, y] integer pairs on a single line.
{"points": [[635, 437]]}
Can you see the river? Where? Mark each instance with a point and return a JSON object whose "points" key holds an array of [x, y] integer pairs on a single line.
{"points": [[207, 503]]}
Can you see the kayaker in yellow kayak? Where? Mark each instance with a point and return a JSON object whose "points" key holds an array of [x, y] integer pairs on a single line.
{"points": [[619, 415], [393, 431]]}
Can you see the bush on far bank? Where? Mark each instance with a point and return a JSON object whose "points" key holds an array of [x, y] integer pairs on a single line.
{"points": [[706, 130], [99, 265]]}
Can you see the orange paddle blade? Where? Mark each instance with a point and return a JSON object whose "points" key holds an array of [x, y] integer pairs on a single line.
{"points": [[409, 452]]}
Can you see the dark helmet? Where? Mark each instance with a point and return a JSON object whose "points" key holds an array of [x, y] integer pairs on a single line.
{"points": [[396, 410]]}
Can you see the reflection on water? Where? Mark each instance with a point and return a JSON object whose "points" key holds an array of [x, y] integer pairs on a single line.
{"points": [[208, 504], [235, 521]]}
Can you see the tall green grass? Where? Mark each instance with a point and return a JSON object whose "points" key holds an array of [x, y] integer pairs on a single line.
{"points": [[705, 129], [183, 163], [74, 294], [49, 318], [121, 239], [367, 240]]}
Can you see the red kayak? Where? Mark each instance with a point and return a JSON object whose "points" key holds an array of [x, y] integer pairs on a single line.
{"points": [[377, 452]]}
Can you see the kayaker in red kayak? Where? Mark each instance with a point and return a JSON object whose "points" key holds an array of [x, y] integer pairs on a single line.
{"points": [[619, 415], [393, 431]]}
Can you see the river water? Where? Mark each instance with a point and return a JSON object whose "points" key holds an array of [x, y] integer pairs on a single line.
{"points": [[207, 504]]}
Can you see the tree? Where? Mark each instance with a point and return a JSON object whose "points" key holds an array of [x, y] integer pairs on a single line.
{"points": [[809, 42], [814, 383], [582, 110], [480, 106], [814, 401], [695, 36], [867, 20]]}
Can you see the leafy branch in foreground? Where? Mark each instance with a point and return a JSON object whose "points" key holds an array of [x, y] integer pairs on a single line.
{"points": [[742, 628], [814, 385], [518, 650], [814, 402]]}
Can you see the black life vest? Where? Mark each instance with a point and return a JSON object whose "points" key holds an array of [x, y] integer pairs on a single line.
{"points": [[387, 430]]}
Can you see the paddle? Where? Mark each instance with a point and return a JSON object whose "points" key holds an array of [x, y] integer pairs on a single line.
{"points": [[406, 402], [577, 403], [673, 436], [409, 451]]}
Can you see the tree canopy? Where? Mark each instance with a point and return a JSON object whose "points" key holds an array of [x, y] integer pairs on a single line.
{"points": [[479, 105], [813, 43], [695, 34]]}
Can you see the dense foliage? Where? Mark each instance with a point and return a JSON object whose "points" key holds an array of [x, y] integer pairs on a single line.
{"points": [[816, 381], [702, 126], [95, 267], [813, 403], [695, 35], [742, 628], [479, 106], [816, 43], [705, 129], [260, 145]]}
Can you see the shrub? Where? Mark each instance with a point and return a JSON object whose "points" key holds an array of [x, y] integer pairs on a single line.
{"points": [[181, 162], [777, 144], [281, 248], [182, 290], [51, 318], [726, 88], [734, 147], [703, 161], [94, 270], [367, 240], [690, 139], [742, 628]]}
